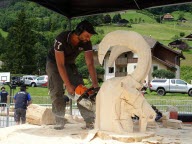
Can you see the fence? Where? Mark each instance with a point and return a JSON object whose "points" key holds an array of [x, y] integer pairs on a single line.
{"points": [[7, 118], [184, 106]]}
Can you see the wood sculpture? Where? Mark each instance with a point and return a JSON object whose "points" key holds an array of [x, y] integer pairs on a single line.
{"points": [[120, 98]]}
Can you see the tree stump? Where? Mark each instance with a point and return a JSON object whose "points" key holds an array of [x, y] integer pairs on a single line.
{"points": [[39, 115]]}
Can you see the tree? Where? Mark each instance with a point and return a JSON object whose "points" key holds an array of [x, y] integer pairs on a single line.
{"points": [[181, 16], [5, 22], [123, 22], [131, 21], [140, 20], [107, 19], [182, 34], [116, 18], [95, 19], [40, 56], [19, 55], [2, 44], [135, 20], [82, 67], [163, 74]]}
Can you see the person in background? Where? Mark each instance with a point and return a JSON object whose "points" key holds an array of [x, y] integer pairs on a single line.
{"points": [[144, 88], [61, 69], [4, 98], [22, 99]]}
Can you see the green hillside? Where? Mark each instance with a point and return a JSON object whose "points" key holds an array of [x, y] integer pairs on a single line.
{"points": [[132, 14], [161, 32], [186, 15], [188, 60], [49, 24]]}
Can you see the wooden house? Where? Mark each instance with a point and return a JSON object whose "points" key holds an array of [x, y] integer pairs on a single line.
{"points": [[168, 17], [178, 44], [163, 57]]}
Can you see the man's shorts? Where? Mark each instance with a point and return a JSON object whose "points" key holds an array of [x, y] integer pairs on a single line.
{"points": [[20, 114]]}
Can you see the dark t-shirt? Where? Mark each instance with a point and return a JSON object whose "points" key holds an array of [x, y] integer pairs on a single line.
{"points": [[3, 96], [62, 43]]}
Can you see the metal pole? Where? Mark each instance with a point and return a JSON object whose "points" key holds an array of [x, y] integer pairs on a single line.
{"points": [[70, 101], [7, 118]]}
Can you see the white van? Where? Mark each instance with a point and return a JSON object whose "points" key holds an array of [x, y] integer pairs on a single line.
{"points": [[30, 80]]}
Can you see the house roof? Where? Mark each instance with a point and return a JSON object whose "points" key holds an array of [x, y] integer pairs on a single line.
{"points": [[189, 36], [176, 42], [179, 44], [151, 42], [77, 8], [178, 52], [168, 16], [165, 63]]}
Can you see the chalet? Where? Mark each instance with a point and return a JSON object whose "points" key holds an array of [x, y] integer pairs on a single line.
{"points": [[178, 44], [168, 17], [162, 58]]}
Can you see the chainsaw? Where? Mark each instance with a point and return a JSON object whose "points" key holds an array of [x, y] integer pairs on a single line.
{"points": [[86, 96]]}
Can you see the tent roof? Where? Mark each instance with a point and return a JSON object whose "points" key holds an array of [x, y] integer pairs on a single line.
{"points": [[77, 8]]}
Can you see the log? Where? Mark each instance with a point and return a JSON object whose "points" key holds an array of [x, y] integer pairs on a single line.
{"points": [[39, 115]]}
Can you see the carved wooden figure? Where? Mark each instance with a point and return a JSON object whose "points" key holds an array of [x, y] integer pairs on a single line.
{"points": [[120, 98]]}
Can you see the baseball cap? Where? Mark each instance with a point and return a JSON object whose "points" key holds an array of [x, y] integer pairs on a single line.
{"points": [[2, 87], [23, 87], [87, 26]]}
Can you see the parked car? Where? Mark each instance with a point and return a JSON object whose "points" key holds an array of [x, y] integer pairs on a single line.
{"points": [[16, 80], [163, 86], [30, 80], [42, 81]]}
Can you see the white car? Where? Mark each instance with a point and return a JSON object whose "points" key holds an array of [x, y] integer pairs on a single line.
{"points": [[42, 81], [163, 86], [30, 80]]}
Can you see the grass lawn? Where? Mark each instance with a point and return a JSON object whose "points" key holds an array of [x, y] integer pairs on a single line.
{"points": [[40, 91], [188, 60], [40, 96], [34, 91], [168, 96]]}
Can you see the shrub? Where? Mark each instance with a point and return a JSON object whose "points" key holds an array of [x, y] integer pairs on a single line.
{"points": [[163, 74], [182, 34]]}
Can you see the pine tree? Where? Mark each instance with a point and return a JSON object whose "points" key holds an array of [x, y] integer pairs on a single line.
{"points": [[19, 56]]}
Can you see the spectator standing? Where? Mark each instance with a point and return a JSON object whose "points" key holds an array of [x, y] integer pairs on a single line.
{"points": [[21, 99], [4, 98]]}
